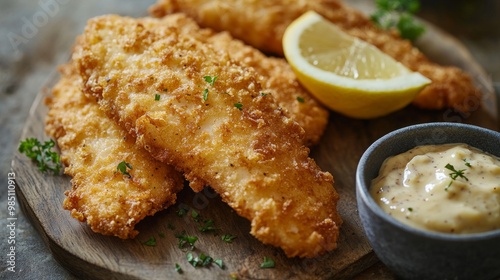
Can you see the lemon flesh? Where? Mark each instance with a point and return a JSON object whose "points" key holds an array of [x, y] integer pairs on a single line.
{"points": [[345, 73]]}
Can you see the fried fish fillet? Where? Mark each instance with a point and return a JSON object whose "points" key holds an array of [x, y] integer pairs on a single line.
{"points": [[276, 77], [159, 84], [92, 146], [262, 24]]}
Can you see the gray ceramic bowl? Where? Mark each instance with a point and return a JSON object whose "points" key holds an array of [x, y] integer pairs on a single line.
{"points": [[419, 254]]}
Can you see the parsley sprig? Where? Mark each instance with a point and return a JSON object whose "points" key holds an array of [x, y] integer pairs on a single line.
{"points": [[455, 174], [267, 263], [203, 260], [42, 153], [399, 14], [228, 238], [186, 240], [123, 168], [211, 81], [150, 242]]}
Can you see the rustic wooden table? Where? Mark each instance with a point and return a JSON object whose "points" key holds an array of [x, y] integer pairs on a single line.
{"points": [[36, 36]]}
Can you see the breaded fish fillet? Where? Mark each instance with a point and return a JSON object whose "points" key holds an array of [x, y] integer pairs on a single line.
{"points": [[92, 146], [276, 77], [160, 84], [262, 24]]}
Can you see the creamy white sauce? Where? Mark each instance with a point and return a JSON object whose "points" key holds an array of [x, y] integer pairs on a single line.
{"points": [[419, 189]]}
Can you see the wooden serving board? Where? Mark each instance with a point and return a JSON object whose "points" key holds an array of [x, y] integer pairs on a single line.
{"points": [[91, 255]]}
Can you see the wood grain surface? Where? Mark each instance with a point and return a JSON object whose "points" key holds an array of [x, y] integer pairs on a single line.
{"points": [[90, 255]]}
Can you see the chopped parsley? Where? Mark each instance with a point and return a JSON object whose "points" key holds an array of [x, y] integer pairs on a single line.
{"points": [[300, 99], [219, 263], [46, 159], [185, 240], [238, 105], [455, 174], [398, 14], [207, 225], [195, 215], [467, 163], [157, 97], [203, 260], [228, 238], [182, 212], [205, 94], [267, 263], [150, 242], [178, 268], [210, 80], [263, 94], [122, 167], [204, 225]]}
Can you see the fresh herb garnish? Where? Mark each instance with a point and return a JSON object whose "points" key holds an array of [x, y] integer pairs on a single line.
{"points": [[195, 215], [207, 225], [122, 167], [219, 263], [186, 240], [150, 242], [300, 99], [203, 260], [157, 97], [47, 159], [205, 94], [263, 94], [204, 224], [410, 209], [238, 105], [210, 80], [467, 163], [228, 238], [178, 268], [399, 14], [455, 174], [267, 263], [181, 212]]}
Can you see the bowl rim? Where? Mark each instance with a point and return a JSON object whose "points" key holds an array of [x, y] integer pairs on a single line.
{"points": [[362, 191]]}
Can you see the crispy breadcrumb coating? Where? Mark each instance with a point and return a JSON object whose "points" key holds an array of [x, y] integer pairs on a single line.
{"points": [[262, 25], [92, 146], [276, 77], [225, 134]]}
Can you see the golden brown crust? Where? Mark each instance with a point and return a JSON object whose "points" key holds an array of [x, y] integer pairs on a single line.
{"points": [[252, 156], [262, 24], [91, 147], [276, 78]]}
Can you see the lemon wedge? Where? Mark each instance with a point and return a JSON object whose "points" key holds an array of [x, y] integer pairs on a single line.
{"points": [[346, 74]]}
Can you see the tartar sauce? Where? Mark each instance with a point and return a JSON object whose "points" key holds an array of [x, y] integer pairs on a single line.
{"points": [[451, 188]]}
